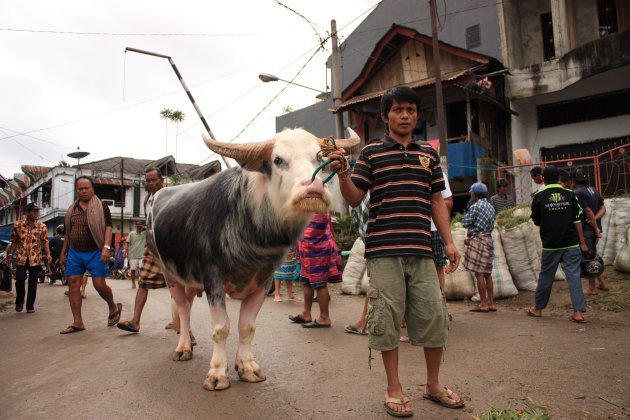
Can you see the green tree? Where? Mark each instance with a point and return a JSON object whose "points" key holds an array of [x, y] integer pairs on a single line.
{"points": [[166, 115], [177, 117]]}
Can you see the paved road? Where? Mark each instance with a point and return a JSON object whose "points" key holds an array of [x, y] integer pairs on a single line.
{"points": [[491, 359]]}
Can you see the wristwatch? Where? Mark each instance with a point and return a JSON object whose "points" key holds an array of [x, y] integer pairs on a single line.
{"points": [[107, 247]]}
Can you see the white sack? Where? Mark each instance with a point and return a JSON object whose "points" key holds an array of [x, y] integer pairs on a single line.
{"points": [[354, 269]]}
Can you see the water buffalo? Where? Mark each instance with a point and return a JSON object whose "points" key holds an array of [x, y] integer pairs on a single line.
{"points": [[228, 233]]}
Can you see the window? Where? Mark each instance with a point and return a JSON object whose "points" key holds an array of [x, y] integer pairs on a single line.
{"points": [[473, 37], [546, 24], [607, 14], [589, 108]]}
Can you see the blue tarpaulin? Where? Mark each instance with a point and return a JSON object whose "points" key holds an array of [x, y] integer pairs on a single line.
{"points": [[462, 158], [5, 232]]}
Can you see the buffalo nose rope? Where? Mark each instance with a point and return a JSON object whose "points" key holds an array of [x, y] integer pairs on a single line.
{"points": [[327, 146]]}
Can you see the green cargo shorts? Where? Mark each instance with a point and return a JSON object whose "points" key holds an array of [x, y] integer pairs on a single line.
{"points": [[408, 287]]}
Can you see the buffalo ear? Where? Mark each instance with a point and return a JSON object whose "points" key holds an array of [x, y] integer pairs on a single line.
{"points": [[262, 166]]}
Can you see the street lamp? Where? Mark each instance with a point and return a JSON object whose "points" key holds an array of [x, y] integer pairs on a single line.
{"points": [[266, 77], [78, 155]]}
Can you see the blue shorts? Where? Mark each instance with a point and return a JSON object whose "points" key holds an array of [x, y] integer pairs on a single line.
{"points": [[79, 262]]}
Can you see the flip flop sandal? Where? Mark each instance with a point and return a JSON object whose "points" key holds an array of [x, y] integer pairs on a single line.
{"points": [[577, 321], [438, 399], [479, 310], [314, 324], [298, 319], [113, 319], [529, 312], [397, 401], [126, 326], [351, 329], [71, 329]]}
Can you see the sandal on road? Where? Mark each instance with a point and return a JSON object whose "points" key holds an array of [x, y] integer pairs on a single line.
{"points": [[439, 399], [351, 329], [126, 326], [113, 318], [397, 401], [71, 329]]}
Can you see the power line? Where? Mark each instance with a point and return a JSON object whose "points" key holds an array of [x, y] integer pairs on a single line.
{"points": [[45, 31]]}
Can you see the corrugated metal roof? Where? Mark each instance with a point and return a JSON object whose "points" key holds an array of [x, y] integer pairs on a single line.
{"points": [[414, 85], [112, 181]]}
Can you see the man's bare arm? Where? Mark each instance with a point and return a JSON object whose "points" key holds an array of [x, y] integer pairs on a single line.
{"points": [[440, 216], [350, 192]]}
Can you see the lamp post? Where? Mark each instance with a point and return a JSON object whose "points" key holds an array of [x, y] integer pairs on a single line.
{"points": [[78, 155], [266, 77]]}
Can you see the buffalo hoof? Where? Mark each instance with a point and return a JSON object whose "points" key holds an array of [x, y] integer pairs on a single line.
{"points": [[250, 372], [216, 382], [182, 356]]}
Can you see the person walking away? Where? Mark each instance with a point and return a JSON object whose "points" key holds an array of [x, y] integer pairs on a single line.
{"points": [[151, 276], [405, 181], [557, 211], [87, 247], [501, 200], [56, 245], [134, 250], [320, 264], [593, 209], [287, 273], [479, 221], [28, 238]]}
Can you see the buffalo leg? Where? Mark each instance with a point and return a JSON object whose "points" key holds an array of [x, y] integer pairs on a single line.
{"points": [[248, 369], [183, 351], [217, 378]]}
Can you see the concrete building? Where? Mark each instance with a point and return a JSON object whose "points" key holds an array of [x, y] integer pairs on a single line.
{"points": [[563, 93], [119, 182]]}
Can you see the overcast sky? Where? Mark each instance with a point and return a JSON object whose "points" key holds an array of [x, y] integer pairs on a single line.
{"points": [[66, 82]]}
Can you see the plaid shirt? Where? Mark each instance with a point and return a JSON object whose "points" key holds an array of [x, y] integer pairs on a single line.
{"points": [[479, 218], [28, 240]]}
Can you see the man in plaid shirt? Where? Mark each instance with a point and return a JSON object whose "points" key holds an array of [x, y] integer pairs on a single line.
{"points": [[479, 246]]}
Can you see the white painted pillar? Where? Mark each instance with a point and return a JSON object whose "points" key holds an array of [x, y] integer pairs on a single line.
{"points": [[561, 38]]}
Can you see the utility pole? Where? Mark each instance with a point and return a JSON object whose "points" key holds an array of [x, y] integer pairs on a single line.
{"points": [[439, 98], [336, 80]]}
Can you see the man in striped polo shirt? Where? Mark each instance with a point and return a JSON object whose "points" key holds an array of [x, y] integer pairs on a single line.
{"points": [[405, 181]]}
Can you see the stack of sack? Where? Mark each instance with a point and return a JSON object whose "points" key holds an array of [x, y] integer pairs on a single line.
{"points": [[354, 278], [614, 228], [622, 260]]}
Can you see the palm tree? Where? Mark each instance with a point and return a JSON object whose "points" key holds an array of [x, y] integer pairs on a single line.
{"points": [[166, 115], [177, 117]]}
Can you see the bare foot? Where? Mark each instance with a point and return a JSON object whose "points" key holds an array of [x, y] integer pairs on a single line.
{"points": [[591, 292]]}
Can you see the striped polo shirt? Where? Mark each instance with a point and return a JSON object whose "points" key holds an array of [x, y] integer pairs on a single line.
{"points": [[401, 181]]}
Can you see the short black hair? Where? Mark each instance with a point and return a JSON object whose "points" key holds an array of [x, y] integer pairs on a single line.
{"points": [[399, 94], [502, 183], [536, 170], [76, 181], [564, 176], [550, 174], [151, 169]]}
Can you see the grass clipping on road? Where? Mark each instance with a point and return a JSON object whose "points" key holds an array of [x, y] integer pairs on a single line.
{"points": [[532, 412]]}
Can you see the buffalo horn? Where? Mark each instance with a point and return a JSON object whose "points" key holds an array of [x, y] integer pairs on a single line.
{"points": [[241, 152], [349, 145]]}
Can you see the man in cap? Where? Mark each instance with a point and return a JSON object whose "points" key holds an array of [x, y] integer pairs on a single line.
{"points": [[557, 211], [27, 239], [593, 208], [479, 246]]}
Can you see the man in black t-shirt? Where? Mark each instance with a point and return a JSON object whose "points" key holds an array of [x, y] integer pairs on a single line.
{"points": [[556, 210]]}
